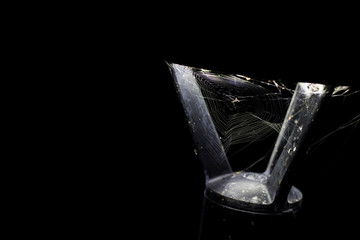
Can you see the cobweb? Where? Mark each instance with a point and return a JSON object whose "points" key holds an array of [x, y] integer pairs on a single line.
{"points": [[248, 113], [243, 110]]}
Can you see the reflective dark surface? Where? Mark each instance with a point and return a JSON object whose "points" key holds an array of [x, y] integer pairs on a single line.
{"points": [[221, 222]]}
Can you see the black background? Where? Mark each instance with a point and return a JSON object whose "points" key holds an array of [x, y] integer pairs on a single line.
{"points": [[112, 133], [146, 173]]}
